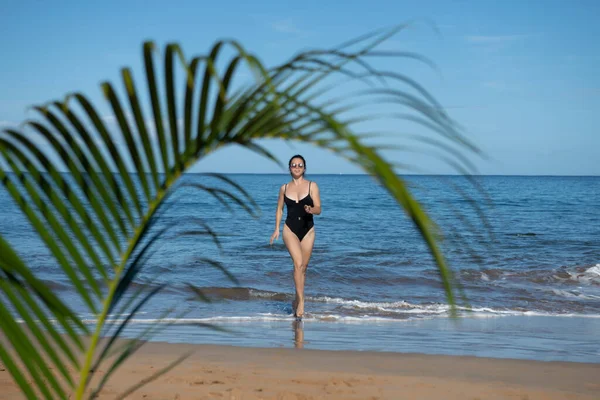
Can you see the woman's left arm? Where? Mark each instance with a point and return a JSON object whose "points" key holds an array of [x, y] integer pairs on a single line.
{"points": [[316, 197]]}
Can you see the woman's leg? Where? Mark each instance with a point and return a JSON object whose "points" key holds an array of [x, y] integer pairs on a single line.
{"points": [[306, 245], [293, 245]]}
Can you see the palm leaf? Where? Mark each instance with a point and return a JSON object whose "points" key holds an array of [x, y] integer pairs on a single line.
{"points": [[99, 224]]}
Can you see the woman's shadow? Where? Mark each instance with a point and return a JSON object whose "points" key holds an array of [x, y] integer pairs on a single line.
{"points": [[298, 327]]}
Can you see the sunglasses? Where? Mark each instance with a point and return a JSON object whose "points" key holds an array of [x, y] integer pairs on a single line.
{"points": [[299, 165]]}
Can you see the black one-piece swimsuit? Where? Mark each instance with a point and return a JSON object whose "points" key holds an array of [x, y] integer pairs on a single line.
{"points": [[298, 220]]}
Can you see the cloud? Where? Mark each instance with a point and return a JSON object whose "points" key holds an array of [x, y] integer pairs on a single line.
{"points": [[109, 119], [285, 26], [288, 27], [498, 39]]}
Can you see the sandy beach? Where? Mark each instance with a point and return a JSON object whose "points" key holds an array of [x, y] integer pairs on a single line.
{"points": [[228, 372]]}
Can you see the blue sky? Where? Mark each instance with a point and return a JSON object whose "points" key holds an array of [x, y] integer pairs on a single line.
{"points": [[521, 76]]}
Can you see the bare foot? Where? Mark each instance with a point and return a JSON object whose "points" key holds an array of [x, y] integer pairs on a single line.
{"points": [[300, 308]]}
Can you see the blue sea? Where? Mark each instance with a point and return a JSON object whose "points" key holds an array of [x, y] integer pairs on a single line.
{"points": [[525, 249]]}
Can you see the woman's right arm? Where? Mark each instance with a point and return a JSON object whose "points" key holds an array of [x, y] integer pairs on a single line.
{"points": [[278, 214]]}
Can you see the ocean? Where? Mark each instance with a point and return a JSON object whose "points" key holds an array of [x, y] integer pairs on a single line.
{"points": [[526, 250]]}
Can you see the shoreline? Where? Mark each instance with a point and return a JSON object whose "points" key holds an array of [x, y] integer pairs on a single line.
{"points": [[540, 338], [230, 372]]}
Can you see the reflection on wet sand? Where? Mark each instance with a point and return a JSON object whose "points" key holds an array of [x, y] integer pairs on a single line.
{"points": [[298, 327]]}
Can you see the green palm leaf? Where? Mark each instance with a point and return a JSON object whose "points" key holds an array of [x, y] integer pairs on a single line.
{"points": [[99, 224]]}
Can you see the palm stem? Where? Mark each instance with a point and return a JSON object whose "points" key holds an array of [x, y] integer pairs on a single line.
{"points": [[152, 207]]}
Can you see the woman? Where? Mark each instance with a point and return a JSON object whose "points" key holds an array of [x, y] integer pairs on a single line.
{"points": [[303, 201]]}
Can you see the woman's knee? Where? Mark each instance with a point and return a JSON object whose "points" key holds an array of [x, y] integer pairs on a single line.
{"points": [[299, 266]]}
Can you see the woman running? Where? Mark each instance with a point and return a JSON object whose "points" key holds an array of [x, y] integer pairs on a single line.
{"points": [[303, 201]]}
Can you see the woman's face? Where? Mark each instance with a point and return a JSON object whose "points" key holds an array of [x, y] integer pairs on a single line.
{"points": [[297, 167]]}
